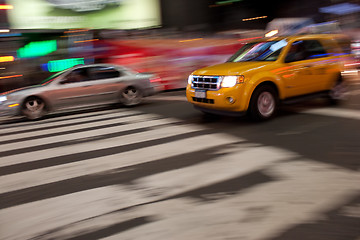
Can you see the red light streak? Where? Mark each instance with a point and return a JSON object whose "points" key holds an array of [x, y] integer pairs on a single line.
{"points": [[12, 76], [247, 39]]}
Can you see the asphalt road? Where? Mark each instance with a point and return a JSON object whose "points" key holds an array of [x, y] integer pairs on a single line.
{"points": [[163, 170]]}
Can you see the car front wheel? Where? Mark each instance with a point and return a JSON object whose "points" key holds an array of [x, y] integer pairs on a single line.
{"points": [[33, 108], [263, 103]]}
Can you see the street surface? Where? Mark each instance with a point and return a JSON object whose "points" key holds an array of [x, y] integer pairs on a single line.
{"points": [[163, 170]]}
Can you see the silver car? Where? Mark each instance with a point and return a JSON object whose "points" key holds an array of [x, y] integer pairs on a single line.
{"points": [[81, 86]]}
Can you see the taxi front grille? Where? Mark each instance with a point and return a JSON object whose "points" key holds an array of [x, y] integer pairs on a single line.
{"points": [[206, 82], [203, 100]]}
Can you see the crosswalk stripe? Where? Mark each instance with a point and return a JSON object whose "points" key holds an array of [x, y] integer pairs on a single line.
{"points": [[332, 112], [263, 212], [72, 115], [156, 193], [78, 132], [94, 202], [161, 131], [28, 179], [35, 130]]}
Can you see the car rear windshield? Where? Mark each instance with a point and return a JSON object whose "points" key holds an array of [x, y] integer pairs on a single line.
{"points": [[259, 51]]}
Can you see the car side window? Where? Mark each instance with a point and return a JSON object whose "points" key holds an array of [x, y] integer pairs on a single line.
{"points": [[296, 52], [98, 73], [304, 50], [77, 75], [314, 49]]}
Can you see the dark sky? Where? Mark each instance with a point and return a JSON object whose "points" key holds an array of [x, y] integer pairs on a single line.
{"points": [[184, 13]]}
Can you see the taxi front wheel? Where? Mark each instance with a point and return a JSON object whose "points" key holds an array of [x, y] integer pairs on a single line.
{"points": [[263, 103]]}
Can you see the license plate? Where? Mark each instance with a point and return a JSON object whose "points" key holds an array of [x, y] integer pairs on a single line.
{"points": [[200, 93]]}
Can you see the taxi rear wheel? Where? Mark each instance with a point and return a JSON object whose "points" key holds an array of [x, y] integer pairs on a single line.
{"points": [[263, 103], [338, 93]]}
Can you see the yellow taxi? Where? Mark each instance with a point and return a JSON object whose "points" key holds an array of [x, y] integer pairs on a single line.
{"points": [[267, 72]]}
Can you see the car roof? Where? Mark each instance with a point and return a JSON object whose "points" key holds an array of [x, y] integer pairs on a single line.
{"points": [[303, 37]]}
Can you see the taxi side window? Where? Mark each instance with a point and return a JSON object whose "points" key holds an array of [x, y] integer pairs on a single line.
{"points": [[304, 50], [296, 52], [314, 49]]}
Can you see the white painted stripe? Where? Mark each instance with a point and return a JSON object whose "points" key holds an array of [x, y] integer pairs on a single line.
{"points": [[82, 212], [335, 112], [160, 132], [72, 136], [94, 202], [35, 127], [36, 177], [67, 117], [301, 194]]}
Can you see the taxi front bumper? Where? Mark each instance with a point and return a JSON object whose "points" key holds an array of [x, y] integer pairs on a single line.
{"points": [[220, 101]]}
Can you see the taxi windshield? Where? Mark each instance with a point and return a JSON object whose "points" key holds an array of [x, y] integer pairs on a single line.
{"points": [[259, 51]]}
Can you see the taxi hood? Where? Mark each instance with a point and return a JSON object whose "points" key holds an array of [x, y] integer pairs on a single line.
{"points": [[231, 68]]}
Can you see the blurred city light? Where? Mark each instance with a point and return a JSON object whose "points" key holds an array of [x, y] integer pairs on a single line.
{"points": [[254, 18], [6, 7], [12, 76], [271, 33], [7, 59], [60, 65], [37, 49]]}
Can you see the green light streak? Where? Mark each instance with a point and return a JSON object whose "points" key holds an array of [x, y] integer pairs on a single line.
{"points": [[37, 49], [227, 2], [59, 65]]}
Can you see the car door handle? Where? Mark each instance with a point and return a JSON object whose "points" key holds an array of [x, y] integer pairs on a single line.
{"points": [[87, 85]]}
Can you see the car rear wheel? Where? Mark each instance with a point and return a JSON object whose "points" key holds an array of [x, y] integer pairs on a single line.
{"points": [[338, 92], [263, 103], [33, 108], [131, 96]]}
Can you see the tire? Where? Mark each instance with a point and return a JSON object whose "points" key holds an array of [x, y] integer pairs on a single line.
{"points": [[131, 96], [33, 108], [264, 103], [337, 93]]}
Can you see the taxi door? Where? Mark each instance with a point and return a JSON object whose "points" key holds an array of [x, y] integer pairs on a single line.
{"points": [[299, 70]]}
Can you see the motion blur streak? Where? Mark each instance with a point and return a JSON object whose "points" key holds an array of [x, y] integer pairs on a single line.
{"points": [[13, 76], [7, 59], [6, 7]]}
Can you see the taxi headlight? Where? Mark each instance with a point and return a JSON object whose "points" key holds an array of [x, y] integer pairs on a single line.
{"points": [[231, 81], [3, 99], [190, 79]]}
